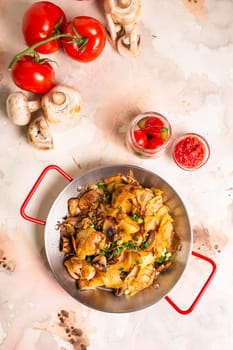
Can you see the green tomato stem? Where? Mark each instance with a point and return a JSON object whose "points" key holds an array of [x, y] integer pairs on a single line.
{"points": [[80, 40], [31, 49]]}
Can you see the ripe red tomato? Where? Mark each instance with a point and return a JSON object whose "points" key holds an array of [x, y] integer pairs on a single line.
{"points": [[29, 75], [152, 131], [42, 20], [141, 138], [90, 38], [153, 122], [155, 142]]}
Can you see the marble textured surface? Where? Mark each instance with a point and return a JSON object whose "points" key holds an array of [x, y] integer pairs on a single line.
{"points": [[185, 73]]}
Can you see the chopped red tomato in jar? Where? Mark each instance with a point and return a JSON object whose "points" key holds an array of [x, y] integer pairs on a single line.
{"points": [[155, 142], [190, 152], [148, 122], [148, 135], [153, 122], [152, 132], [141, 138]]}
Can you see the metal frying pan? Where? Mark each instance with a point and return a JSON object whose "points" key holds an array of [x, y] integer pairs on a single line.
{"points": [[101, 299]]}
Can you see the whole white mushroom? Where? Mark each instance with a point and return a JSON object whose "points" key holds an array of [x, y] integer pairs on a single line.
{"points": [[39, 134], [19, 108]]}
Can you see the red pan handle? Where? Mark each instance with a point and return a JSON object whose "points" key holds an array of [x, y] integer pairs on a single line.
{"points": [[203, 289], [34, 188]]}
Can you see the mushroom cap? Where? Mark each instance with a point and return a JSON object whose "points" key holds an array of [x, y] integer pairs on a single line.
{"points": [[123, 12], [17, 108], [100, 263]]}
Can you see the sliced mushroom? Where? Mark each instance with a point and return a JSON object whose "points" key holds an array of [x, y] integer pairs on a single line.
{"points": [[85, 223], [121, 17], [150, 240], [61, 103], [66, 246], [116, 259], [129, 178], [166, 266], [129, 277], [88, 200], [19, 108], [100, 263], [39, 134], [67, 226], [109, 227], [73, 206]]}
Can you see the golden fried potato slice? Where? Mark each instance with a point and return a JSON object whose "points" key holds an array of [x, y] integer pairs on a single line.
{"points": [[74, 266], [89, 242], [110, 182]]}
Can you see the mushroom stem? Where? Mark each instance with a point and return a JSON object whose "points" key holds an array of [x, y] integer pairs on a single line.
{"points": [[58, 98], [34, 105], [61, 103], [129, 44], [124, 3], [121, 17]]}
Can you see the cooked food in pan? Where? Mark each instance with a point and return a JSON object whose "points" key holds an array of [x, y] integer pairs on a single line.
{"points": [[119, 235]]}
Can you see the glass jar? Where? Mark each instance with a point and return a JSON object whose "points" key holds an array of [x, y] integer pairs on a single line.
{"points": [[190, 151], [148, 135]]}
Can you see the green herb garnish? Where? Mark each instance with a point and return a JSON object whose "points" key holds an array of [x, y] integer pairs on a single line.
{"points": [[100, 185], [145, 245], [164, 257], [137, 218]]}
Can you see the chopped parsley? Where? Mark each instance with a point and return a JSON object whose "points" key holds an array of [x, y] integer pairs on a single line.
{"points": [[137, 218], [100, 185], [164, 257], [145, 245]]}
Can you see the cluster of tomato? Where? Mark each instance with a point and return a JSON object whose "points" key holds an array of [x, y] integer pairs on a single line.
{"points": [[151, 132], [46, 30]]}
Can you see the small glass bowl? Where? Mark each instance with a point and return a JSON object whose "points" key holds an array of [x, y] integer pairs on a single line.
{"points": [[136, 124], [190, 151]]}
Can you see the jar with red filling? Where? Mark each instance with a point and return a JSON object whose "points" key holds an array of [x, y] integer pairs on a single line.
{"points": [[190, 151], [148, 135]]}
